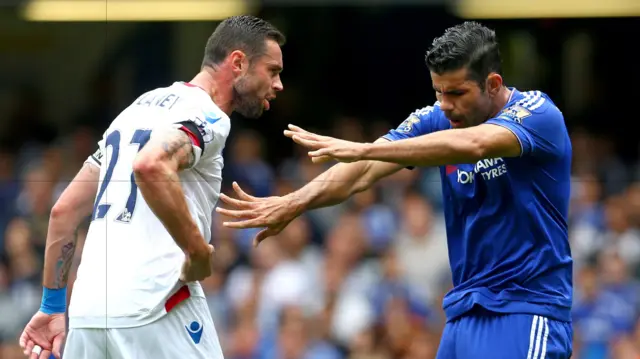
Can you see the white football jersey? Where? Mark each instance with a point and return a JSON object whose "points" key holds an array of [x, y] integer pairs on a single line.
{"points": [[130, 264]]}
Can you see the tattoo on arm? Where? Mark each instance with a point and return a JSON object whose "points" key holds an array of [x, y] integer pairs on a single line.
{"points": [[63, 264], [179, 148]]}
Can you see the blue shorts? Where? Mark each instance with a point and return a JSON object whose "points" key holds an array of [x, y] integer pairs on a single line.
{"points": [[505, 336]]}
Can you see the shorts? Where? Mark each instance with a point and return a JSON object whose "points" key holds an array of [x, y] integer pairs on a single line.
{"points": [[506, 336], [187, 331]]}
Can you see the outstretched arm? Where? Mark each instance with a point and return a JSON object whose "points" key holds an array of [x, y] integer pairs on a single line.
{"points": [[340, 182], [331, 187], [448, 147], [434, 149]]}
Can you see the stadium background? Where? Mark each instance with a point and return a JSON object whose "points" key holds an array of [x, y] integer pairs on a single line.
{"points": [[360, 280]]}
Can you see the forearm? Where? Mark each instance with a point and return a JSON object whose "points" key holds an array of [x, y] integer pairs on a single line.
{"points": [[435, 149], [160, 186], [58, 258], [73, 206], [59, 251], [156, 173], [333, 186], [341, 182]]}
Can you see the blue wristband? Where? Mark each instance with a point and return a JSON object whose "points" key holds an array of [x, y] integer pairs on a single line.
{"points": [[54, 301]]}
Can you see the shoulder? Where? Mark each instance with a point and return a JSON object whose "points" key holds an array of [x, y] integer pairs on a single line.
{"points": [[427, 110], [216, 119], [430, 115], [537, 102], [531, 104], [431, 112]]}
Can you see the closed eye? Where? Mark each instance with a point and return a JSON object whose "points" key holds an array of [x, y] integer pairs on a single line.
{"points": [[456, 93]]}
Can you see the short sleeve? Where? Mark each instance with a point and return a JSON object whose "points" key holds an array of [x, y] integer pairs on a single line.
{"points": [[207, 131], [542, 133], [420, 122], [96, 157]]}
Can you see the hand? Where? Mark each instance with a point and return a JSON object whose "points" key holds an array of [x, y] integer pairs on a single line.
{"points": [[196, 268], [274, 213], [46, 331], [325, 147]]}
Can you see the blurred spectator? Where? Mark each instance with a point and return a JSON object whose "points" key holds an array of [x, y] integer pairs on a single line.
{"points": [[362, 280], [8, 191], [247, 165], [620, 236], [421, 245], [605, 307]]}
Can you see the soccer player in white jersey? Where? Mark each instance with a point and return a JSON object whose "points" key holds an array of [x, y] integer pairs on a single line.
{"points": [[150, 190]]}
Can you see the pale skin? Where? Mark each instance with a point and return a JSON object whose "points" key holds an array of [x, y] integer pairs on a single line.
{"points": [[156, 171], [363, 164]]}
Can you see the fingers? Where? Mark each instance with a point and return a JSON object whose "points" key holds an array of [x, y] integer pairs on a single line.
{"points": [[320, 159], [323, 152], [264, 234], [297, 129], [235, 214], [46, 354], [34, 351], [305, 135], [306, 143], [29, 347], [250, 223], [235, 202], [57, 346], [242, 194], [289, 134], [23, 340]]}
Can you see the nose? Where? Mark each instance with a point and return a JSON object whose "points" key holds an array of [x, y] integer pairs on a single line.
{"points": [[445, 105], [277, 85]]}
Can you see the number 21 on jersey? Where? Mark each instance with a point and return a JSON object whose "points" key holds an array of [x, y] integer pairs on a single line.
{"points": [[100, 210]]}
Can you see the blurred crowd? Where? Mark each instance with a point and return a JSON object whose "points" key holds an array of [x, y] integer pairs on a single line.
{"points": [[361, 280]]}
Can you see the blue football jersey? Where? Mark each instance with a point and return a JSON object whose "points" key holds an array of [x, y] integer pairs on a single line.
{"points": [[506, 218]]}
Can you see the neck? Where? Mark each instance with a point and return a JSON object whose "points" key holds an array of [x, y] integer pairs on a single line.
{"points": [[501, 100], [218, 86]]}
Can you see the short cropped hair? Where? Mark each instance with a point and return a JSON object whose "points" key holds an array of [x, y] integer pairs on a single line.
{"points": [[468, 45], [247, 33]]}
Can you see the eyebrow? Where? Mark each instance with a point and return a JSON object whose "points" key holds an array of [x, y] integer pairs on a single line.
{"points": [[454, 90], [275, 66]]}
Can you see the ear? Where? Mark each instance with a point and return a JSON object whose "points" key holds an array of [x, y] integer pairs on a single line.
{"points": [[237, 60], [494, 83]]}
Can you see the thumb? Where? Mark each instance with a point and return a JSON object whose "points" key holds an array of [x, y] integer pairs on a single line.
{"points": [[211, 249], [264, 234], [321, 159]]}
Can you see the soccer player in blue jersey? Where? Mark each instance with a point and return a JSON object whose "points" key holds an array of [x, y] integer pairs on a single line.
{"points": [[505, 159]]}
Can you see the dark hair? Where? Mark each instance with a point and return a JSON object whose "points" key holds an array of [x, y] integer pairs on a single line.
{"points": [[468, 45], [247, 33]]}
